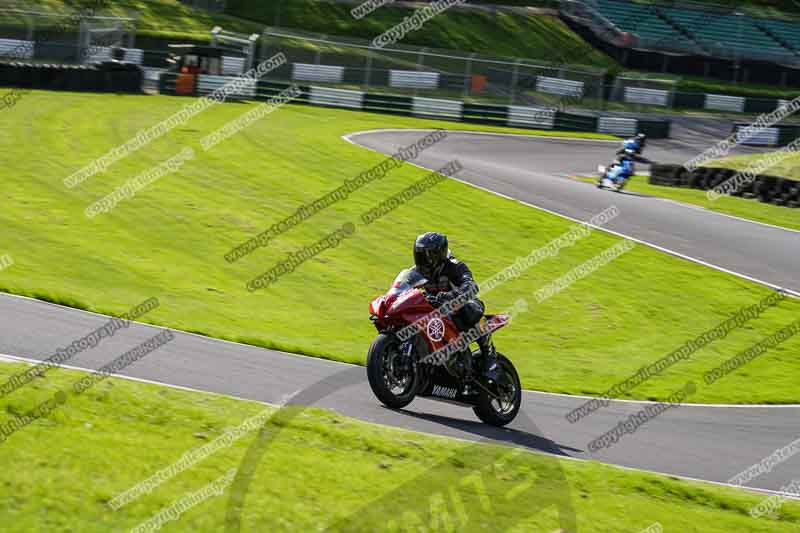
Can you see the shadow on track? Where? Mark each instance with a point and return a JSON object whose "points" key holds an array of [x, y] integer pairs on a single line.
{"points": [[526, 439]]}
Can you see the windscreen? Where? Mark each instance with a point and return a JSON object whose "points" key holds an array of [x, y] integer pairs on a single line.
{"points": [[407, 279]]}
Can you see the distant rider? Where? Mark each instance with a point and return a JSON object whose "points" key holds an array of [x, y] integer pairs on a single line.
{"points": [[633, 147], [448, 278], [621, 169]]}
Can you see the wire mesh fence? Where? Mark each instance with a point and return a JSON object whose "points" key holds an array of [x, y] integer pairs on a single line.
{"points": [[65, 37], [419, 71]]}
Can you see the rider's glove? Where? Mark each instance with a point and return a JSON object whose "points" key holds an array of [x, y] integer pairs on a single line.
{"points": [[436, 299]]}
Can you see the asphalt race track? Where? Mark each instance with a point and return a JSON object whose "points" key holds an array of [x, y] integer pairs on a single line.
{"points": [[712, 443], [535, 170]]}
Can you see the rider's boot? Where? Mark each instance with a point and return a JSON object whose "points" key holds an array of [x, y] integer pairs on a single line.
{"points": [[490, 368]]}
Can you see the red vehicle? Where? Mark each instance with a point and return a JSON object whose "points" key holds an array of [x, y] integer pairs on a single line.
{"points": [[420, 353]]}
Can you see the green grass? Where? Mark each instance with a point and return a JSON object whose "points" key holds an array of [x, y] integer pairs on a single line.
{"points": [[696, 84], [729, 205], [319, 470], [788, 167], [165, 18], [169, 241], [541, 37]]}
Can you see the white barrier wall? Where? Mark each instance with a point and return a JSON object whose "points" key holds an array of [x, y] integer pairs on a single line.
{"points": [[538, 117], [207, 84], [325, 73], [762, 137], [546, 84], [514, 116], [434, 107], [15, 49], [641, 95], [232, 66], [721, 102], [413, 79], [103, 53], [617, 126], [336, 97], [152, 74]]}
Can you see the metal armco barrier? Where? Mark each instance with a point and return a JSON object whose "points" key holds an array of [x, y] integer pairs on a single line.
{"points": [[485, 113], [531, 117], [207, 84], [324, 73], [413, 79], [435, 107], [721, 102], [389, 103], [617, 126], [444, 109], [641, 95], [132, 55], [232, 66], [777, 135], [16, 49], [336, 97], [764, 137], [550, 85]]}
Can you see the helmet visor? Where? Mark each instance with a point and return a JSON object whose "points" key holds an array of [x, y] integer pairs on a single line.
{"points": [[425, 260]]}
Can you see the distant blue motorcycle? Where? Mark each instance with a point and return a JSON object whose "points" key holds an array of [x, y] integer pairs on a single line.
{"points": [[617, 175]]}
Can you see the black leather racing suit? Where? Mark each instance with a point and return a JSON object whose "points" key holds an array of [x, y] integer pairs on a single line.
{"points": [[456, 278]]}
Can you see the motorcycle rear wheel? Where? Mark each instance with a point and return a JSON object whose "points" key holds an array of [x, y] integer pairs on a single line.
{"points": [[501, 412], [386, 371]]}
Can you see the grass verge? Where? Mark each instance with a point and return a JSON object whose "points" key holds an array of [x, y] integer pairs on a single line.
{"points": [[788, 166], [170, 239], [320, 470]]}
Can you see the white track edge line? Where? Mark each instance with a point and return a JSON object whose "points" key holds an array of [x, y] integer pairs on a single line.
{"points": [[625, 400], [132, 378], [498, 134]]}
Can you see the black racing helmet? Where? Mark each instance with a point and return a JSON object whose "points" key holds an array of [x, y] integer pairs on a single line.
{"points": [[430, 253], [642, 137]]}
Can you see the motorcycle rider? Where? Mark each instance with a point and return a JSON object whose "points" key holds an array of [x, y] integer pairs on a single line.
{"points": [[633, 148], [447, 279], [621, 169], [634, 145]]}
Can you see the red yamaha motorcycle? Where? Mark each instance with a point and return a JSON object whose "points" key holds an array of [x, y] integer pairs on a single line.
{"points": [[420, 352]]}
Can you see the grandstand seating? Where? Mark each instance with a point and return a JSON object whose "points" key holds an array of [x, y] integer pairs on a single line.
{"points": [[719, 34], [640, 19], [787, 31], [731, 33]]}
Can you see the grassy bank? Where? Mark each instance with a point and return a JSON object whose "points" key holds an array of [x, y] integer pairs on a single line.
{"points": [[787, 165], [542, 37], [320, 470], [170, 239]]}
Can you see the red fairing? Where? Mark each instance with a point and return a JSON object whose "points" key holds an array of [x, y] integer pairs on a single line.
{"points": [[408, 307], [376, 306], [495, 322]]}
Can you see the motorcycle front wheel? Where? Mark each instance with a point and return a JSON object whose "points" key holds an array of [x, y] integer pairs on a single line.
{"points": [[501, 409], [392, 375]]}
